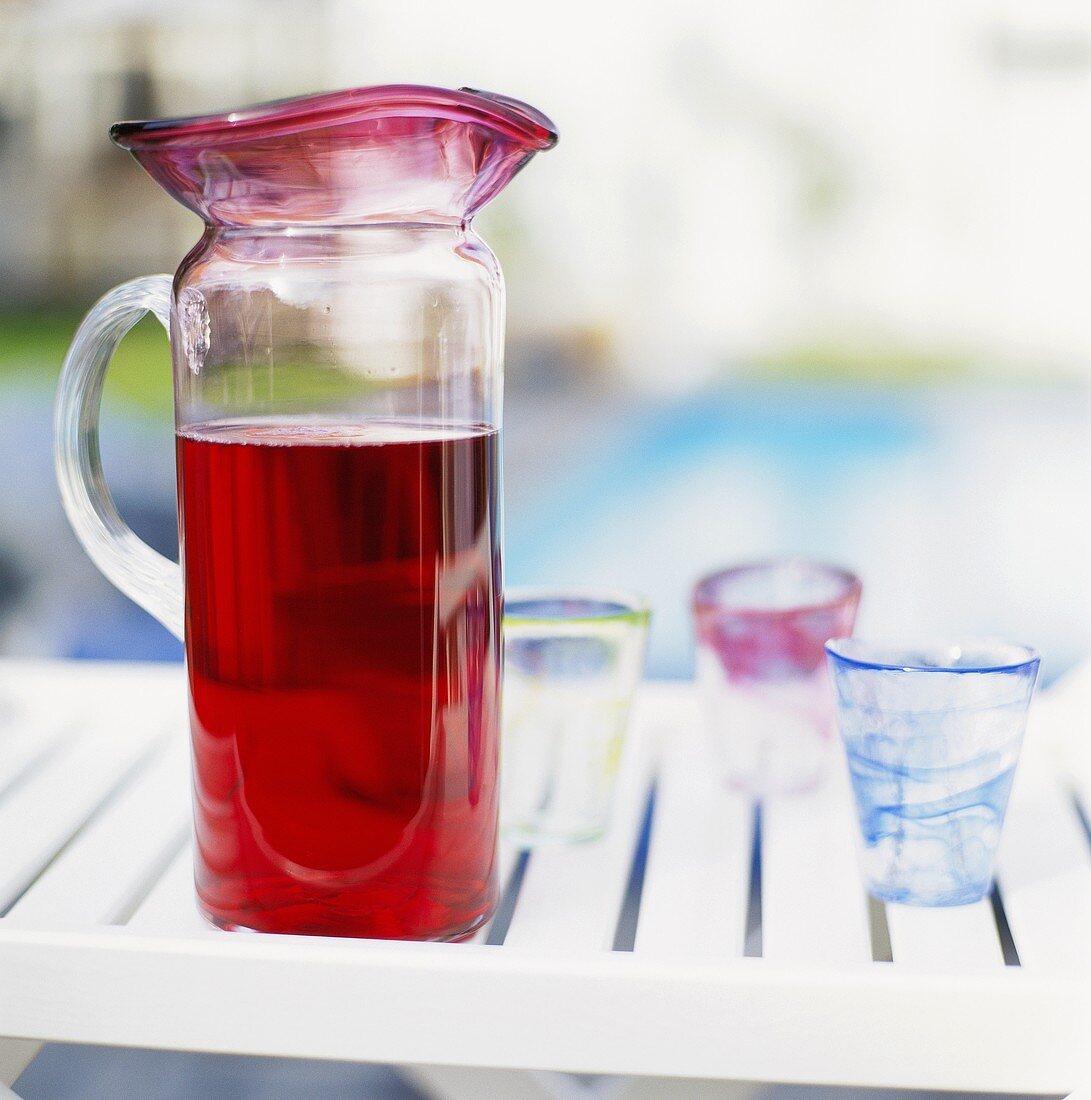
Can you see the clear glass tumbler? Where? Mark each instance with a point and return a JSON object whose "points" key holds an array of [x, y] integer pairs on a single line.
{"points": [[933, 734], [761, 629], [572, 663]]}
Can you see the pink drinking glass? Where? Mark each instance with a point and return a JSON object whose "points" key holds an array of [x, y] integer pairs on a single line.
{"points": [[761, 632]]}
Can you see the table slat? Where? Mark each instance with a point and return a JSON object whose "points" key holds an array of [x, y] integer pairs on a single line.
{"points": [[109, 864], [67, 689], [1045, 873], [170, 909], [697, 881], [814, 904], [956, 939], [42, 706], [26, 742], [42, 814]]}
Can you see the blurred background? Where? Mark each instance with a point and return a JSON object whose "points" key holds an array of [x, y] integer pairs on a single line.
{"points": [[806, 276], [803, 276]]}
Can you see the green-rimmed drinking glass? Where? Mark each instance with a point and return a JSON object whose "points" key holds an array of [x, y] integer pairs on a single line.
{"points": [[573, 659]]}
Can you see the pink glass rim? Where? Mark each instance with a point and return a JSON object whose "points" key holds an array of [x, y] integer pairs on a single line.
{"points": [[277, 118], [706, 597]]}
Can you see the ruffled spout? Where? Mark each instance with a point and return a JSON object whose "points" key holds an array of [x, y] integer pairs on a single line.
{"points": [[392, 153]]}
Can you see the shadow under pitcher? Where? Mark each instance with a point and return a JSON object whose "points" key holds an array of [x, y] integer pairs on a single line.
{"points": [[337, 341]]}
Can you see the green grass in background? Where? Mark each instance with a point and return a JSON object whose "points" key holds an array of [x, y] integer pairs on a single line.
{"points": [[33, 345], [877, 362]]}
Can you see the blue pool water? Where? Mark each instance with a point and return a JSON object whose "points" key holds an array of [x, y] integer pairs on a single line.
{"points": [[961, 509]]}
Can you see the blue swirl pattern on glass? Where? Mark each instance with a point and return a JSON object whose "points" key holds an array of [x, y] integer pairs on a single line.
{"points": [[932, 735]]}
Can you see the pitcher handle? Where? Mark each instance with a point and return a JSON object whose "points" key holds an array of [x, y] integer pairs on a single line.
{"points": [[145, 576]]}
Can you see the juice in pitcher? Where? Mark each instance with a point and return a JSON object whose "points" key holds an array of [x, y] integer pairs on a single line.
{"points": [[344, 684]]}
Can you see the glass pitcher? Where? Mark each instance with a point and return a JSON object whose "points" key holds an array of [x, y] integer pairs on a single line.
{"points": [[337, 338]]}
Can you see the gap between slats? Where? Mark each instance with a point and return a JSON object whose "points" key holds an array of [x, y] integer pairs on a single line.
{"points": [[496, 930], [507, 859], [633, 896]]}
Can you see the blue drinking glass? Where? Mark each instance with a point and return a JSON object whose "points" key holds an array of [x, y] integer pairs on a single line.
{"points": [[932, 733]]}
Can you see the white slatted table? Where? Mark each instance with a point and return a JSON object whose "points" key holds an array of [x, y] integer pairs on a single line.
{"points": [[726, 953]]}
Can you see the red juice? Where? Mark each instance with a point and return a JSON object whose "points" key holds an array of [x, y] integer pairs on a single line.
{"points": [[343, 646]]}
